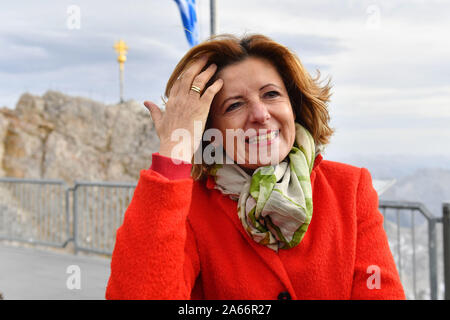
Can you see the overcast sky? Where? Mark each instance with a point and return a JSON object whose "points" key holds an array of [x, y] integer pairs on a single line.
{"points": [[389, 61]]}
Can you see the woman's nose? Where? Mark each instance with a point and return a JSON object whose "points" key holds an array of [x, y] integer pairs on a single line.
{"points": [[259, 112]]}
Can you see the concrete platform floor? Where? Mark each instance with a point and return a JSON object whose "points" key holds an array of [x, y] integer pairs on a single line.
{"points": [[31, 273]]}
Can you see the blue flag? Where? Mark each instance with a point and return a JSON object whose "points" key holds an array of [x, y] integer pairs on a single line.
{"points": [[189, 18]]}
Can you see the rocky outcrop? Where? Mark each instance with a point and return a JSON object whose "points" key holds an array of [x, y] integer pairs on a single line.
{"points": [[72, 138]]}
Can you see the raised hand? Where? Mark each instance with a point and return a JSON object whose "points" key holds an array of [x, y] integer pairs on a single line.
{"points": [[185, 105]]}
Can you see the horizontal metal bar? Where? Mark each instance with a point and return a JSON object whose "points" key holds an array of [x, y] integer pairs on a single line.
{"points": [[407, 205], [97, 251], [399, 204], [42, 243], [104, 184], [62, 182], [35, 181]]}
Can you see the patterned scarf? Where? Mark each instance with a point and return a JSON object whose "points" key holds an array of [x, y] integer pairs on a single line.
{"points": [[275, 203]]}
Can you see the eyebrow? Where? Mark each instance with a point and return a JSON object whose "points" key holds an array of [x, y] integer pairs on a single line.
{"points": [[239, 97]]}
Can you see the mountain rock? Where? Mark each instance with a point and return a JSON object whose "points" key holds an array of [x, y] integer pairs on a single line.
{"points": [[56, 136]]}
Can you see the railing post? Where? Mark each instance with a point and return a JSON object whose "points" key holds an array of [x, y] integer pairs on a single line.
{"points": [[432, 257], [69, 229], [75, 218], [446, 228]]}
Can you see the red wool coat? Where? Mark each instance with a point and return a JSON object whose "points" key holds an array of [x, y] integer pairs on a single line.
{"points": [[182, 239]]}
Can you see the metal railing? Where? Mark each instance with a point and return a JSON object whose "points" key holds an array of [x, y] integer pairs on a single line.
{"points": [[34, 211], [405, 233], [98, 212], [48, 212]]}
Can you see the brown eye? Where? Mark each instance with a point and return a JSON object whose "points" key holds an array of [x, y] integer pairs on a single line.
{"points": [[272, 94], [233, 106]]}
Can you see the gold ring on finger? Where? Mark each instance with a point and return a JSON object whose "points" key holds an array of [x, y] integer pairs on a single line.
{"points": [[196, 89]]}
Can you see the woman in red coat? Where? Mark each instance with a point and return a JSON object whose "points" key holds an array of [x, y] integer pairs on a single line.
{"points": [[245, 206]]}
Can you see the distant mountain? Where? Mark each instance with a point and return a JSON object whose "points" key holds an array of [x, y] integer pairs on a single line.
{"points": [[423, 179], [388, 166], [430, 186]]}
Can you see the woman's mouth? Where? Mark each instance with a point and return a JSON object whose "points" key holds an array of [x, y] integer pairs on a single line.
{"points": [[264, 139]]}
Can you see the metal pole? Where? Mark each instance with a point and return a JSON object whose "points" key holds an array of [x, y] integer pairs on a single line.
{"points": [[399, 253], [413, 238], [213, 16], [446, 225], [121, 83], [121, 48], [75, 218], [432, 257], [69, 224]]}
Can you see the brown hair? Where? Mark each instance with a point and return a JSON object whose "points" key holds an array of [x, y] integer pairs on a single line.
{"points": [[308, 98]]}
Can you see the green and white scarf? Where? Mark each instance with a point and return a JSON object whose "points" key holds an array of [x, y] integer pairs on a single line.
{"points": [[275, 203]]}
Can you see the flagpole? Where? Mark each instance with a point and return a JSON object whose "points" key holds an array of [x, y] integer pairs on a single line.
{"points": [[213, 16], [121, 48]]}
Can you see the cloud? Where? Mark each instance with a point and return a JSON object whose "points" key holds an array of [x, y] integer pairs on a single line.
{"points": [[309, 46], [389, 141]]}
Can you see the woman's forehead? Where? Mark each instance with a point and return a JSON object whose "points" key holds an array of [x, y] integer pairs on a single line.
{"points": [[248, 74]]}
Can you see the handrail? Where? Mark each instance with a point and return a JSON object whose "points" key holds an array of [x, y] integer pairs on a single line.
{"points": [[407, 205], [432, 242]]}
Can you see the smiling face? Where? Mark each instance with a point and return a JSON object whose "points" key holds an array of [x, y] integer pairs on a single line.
{"points": [[254, 99]]}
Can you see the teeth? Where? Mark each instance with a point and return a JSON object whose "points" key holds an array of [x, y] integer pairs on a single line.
{"points": [[264, 137]]}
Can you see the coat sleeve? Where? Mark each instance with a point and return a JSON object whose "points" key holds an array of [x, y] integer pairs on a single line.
{"points": [[375, 273], [155, 254]]}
